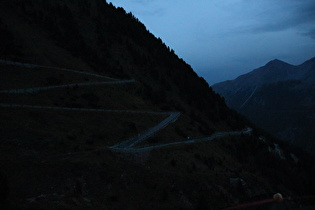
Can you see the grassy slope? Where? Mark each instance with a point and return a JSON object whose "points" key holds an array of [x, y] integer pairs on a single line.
{"points": [[41, 175]]}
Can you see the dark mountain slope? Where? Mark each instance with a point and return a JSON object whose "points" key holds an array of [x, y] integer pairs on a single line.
{"points": [[119, 45], [278, 97], [55, 142]]}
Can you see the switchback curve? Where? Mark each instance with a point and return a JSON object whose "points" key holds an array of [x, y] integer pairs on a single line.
{"points": [[127, 145]]}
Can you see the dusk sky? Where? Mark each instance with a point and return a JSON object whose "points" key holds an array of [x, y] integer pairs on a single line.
{"points": [[222, 39]]}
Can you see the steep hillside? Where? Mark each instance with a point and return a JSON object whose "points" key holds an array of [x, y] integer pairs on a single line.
{"points": [[119, 45], [278, 97], [97, 113]]}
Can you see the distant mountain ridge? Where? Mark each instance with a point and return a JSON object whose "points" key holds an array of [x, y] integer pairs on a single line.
{"points": [[274, 71], [272, 94]]}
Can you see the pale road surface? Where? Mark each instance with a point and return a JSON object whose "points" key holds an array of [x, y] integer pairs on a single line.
{"points": [[37, 89], [79, 109], [28, 65], [214, 136], [143, 136], [251, 95], [127, 145]]}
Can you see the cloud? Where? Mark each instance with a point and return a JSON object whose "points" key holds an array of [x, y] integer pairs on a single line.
{"points": [[228, 37], [284, 15], [310, 33]]}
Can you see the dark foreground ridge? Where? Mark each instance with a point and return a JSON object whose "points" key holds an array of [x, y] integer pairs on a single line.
{"points": [[98, 113]]}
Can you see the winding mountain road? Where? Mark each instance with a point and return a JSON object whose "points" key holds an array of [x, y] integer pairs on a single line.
{"points": [[38, 89], [143, 136], [192, 141], [29, 65], [129, 144]]}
